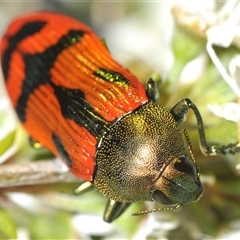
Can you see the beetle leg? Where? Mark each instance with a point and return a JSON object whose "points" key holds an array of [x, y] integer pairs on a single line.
{"points": [[179, 112], [152, 90], [35, 144], [113, 210], [84, 187]]}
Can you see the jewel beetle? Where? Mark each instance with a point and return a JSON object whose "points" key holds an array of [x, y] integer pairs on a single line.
{"points": [[95, 115]]}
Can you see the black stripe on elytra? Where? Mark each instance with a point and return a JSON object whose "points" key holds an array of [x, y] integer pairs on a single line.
{"points": [[111, 76], [74, 106], [27, 29], [38, 67], [61, 150]]}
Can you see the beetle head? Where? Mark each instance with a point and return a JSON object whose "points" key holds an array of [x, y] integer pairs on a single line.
{"points": [[179, 183], [143, 158]]}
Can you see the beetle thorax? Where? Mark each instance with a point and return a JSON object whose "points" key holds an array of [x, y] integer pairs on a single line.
{"points": [[135, 152]]}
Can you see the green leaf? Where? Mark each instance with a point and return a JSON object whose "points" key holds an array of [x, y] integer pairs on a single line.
{"points": [[7, 226], [55, 226], [201, 215], [186, 47], [7, 142]]}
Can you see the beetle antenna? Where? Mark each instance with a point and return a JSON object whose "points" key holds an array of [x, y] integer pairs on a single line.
{"points": [[190, 150], [156, 210]]}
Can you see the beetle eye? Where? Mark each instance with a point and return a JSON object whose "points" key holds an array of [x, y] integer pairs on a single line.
{"points": [[185, 165], [160, 197]]}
